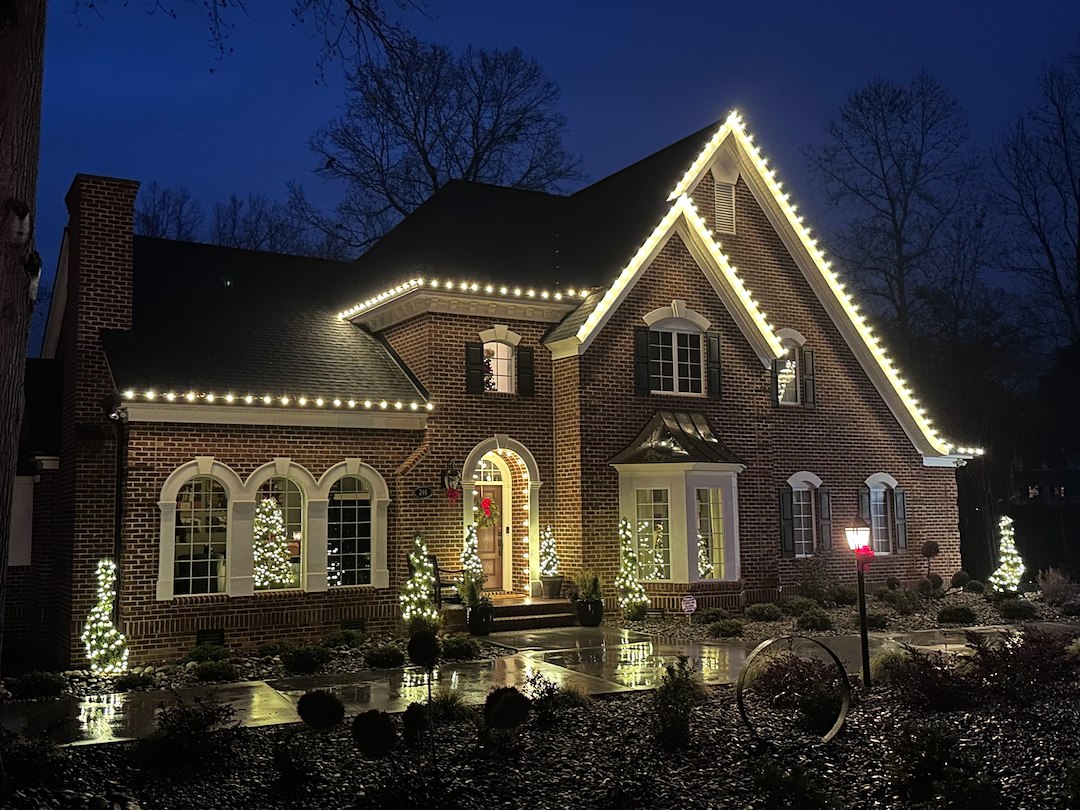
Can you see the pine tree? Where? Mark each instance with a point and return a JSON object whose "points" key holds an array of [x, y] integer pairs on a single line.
{"points": [[472, 569], [106, 647], [704, 558], [271, 559], [1011, 568], [549, 555], [632, 599], [417, 597]]}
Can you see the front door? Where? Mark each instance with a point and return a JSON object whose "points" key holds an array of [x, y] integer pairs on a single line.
{"points": [[489, 541]]}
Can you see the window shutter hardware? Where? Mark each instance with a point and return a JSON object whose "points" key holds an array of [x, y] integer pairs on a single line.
{"points": [[787, 523]]}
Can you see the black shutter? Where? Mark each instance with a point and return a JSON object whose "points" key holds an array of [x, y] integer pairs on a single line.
{"points": [[824, 519], [864, 504], [525, 375], [474, 368], [776, 382], [787, 524], [641, 361], [712, 360], [808, 384], [900, 518]]}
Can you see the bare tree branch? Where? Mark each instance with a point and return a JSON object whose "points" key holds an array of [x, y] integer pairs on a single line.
{"points": [[168, 213]]}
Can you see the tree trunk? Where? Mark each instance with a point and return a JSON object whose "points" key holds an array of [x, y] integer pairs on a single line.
{"points": [[22, 57]]}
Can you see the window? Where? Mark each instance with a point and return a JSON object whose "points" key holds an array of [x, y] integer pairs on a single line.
{"points": [[725, 207], [675, 362], [793, 375], [802, 512], [883, 506], [499, 367], [880, 533], [290, 500], [710, 533], [348, 533], [199, 540], [653, 534], [787, 376], [487, 472]]}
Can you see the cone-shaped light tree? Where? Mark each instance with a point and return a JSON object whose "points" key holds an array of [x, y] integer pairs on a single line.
{"points": [[472, 569], [1011, 568], [549, 555], [632, 599], [417, 597], [270, 550], [106, 647]]}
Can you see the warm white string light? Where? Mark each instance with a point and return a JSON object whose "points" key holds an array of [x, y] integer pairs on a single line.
{"points": [[284, 400], [467, 287]]}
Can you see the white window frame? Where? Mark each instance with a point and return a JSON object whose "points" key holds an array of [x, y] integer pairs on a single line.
{"points": [[793, 341], [380, 502], [806, 481], [884, 485], [501, 335], [682, 480], [677, 319]]}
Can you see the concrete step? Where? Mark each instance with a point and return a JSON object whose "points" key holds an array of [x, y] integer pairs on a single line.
{"points": [[533, 622], [534, 609]]}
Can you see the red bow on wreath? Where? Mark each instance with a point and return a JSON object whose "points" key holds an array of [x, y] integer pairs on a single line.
{"points": [[485, 507]]}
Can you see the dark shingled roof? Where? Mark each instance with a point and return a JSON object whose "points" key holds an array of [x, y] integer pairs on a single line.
{"points": [[673, 437], [222, 320]]}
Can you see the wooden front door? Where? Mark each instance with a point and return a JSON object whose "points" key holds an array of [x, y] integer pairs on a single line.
{"points": [[489, 541]]}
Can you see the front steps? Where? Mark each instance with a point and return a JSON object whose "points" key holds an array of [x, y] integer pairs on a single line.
{"points": [[516, 613]]}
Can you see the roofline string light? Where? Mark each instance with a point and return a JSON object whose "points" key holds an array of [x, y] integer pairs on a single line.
{"points": [[328, 403], [502, 291], [734, 125]]}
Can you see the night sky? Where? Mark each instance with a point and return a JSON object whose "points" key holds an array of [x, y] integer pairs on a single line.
{"points": [[142, 96]]}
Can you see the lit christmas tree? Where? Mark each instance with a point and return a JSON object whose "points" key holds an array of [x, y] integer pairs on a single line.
{"points": [[417, 597], [1011, 567], [472, 569], [333, 566], [549, 555], [632, 599], [704, 558], [105, 646], [271, 558]]}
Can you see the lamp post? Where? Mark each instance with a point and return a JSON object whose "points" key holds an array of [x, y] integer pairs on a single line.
{"points": [[858, 540]]}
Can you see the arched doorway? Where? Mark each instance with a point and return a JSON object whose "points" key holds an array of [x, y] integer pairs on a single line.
{"points": [[504, 471]]}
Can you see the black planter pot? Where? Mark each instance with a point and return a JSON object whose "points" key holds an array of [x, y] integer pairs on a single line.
{"points": [[590, 613], [552, 586], [480, 619]]}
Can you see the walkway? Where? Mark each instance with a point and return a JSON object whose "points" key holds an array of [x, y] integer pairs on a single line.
{"points": [[597, 660]]}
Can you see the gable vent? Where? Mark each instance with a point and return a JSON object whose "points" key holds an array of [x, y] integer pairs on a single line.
{"points": [[725, 208]]}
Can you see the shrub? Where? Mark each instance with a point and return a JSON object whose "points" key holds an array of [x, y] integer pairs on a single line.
{"points": [[925, 587], [804, 685], [414, 723], [448, 706], [1019, 667], [764, 612], [272, 649], [959, 579], [797, 605], [930, 680], [886, 663], [37, 684], [189, 733], [974, 586], [216, 671], [505, 708], [1017, 609], [130, 681], [711, 615], [956, 614], [935, 581], [588, 587], [549, 699], [636, 612], [928, 762], [728, 628], [930, 549], [374, 733], [877, 621], [894, 584], [320, 709], [460, 647], [815, 581], [421, 624], [424, 649], [305, 659], [844, 595], [1071, 609], [345, 638], [673, 702], [1056, 586], [789, 788], [816, 619], [32, 760], [384, 656], [208, 652]]}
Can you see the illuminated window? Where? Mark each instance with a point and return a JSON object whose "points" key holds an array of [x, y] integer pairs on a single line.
{"points": [[710, 533], [653, 534], [348, 533], [787, 375], [199, 540], [675, 362], [291, 502], [880, 520], [499, 367], [802, 513]]}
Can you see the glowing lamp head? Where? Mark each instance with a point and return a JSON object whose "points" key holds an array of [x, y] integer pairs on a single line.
{"points": [[858, 536]]}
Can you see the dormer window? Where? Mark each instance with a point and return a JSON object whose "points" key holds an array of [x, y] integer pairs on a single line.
{"points": [[793, 377], [499, 364], [675, 354]]}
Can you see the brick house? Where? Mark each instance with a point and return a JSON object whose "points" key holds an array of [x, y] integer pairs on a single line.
{"points": [[668, 345]]}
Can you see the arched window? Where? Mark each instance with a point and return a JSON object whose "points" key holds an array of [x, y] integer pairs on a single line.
{"points": [[199, 539], [883, 505], [670, 353], [349, 533], [290, 500], [787, 375], [805, 516], [499, 367], [793, 375]]}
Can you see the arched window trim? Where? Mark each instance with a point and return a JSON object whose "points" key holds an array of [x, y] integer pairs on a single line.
{"points": [[804, 479], [792, 335], [500, 333], [317, 524], [677, 317], [880, 480], [199, 467]]}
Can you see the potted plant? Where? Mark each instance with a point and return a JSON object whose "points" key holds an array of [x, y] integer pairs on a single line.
{"points": [[479, 613], [550, 578], [587, 599], [480, 616]]}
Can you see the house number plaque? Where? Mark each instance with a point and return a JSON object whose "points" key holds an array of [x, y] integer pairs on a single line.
{"points": [[423, 492]]}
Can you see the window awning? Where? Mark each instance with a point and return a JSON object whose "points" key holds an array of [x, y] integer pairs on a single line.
{"points": [[674, 437]]}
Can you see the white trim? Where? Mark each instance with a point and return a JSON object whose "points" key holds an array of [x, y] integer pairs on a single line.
{"points": [[46, 463], [267, 415], [804, 479], [791, 334], [686, 319], [418, 301], [881, 479], [945, 461], [380, 501], [500, 333]]}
